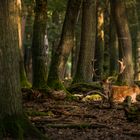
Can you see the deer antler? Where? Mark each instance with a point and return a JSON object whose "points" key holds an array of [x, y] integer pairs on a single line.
{"points": [[122, 65]]}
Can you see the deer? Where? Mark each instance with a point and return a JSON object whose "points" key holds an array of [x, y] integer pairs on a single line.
{"points": [[113, 93], [119, 93]]}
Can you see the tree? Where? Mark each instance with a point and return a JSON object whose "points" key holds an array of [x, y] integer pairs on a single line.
{"points": [[86, 54], [28, 21], [23, 77], [60, 57], [39, 55], [12, 118], [132, 16], [137, 73], [99, 49], [113, 48], [106, 10], [119, 14]]}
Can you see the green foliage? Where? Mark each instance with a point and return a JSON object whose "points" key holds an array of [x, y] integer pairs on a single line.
{"points": [[54, 29], [58, 5], [130, 3]]}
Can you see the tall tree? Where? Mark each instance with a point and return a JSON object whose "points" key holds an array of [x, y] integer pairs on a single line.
{"points": [[99, 49], [119, 14], [28, 35], [86, 54], [106, 26], [39, 55], [60, 57], [113, 48], [131, 12], [23, 77], [12, 118], [137, 72]]}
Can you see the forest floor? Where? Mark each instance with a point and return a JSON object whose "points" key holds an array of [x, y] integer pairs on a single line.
{"points": [[78, 120]]}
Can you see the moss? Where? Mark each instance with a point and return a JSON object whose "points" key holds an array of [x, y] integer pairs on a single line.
{"points": [[19, 127], [71, 97], [25, 84], [56, 85], [44, 88], [84, 87], [23, 79]]}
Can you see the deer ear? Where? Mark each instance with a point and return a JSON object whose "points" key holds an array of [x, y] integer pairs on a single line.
{"points": [[122, 66]]}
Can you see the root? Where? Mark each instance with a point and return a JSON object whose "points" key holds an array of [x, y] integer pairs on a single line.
{"points": [[97, 92], [19, 127]]}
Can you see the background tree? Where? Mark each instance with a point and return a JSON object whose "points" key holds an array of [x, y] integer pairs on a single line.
{"points": [[106, 10], [113, 48], [12, 118], [84, 67], [119, 14], [137, 73], [39, 49], [99, 49], [60, 57], [27, 33], [132, 16], [23, 77]]}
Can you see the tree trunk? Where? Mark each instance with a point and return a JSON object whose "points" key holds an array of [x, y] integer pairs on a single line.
{"points": [[13, 122], [113, 48], [132, 16], [106, 37], [27, 38], [119, 14], [137, 74], [39, 50], [84, 67], [23, 78], [99, 49], [60, 57]]}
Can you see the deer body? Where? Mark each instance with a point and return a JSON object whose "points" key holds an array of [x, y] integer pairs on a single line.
{"points": [[119, 93]]}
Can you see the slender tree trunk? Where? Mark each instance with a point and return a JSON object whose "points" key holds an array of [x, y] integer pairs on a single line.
{"points": [[113, 48], [132, 16], [60, 57], [99, 49], [13, 122], [39, 50], [119, 14], [28, 36], [76, 48], [137, 74], [23, 78], [106, 37], [84, 67]]}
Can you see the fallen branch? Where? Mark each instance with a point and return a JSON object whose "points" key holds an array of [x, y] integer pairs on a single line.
{"points": [[96, 92], [78, 125]]}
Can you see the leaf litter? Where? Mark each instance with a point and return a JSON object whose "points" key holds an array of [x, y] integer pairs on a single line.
{"points": [[78, 120]]}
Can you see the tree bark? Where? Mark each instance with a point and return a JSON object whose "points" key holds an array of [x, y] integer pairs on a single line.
{"points": [[27, 37], [137, 74], [60, 57], [119, 14], [84, 67], [113, 48], [12, 119], [23, 78], [99, 49], [39, 50]]}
